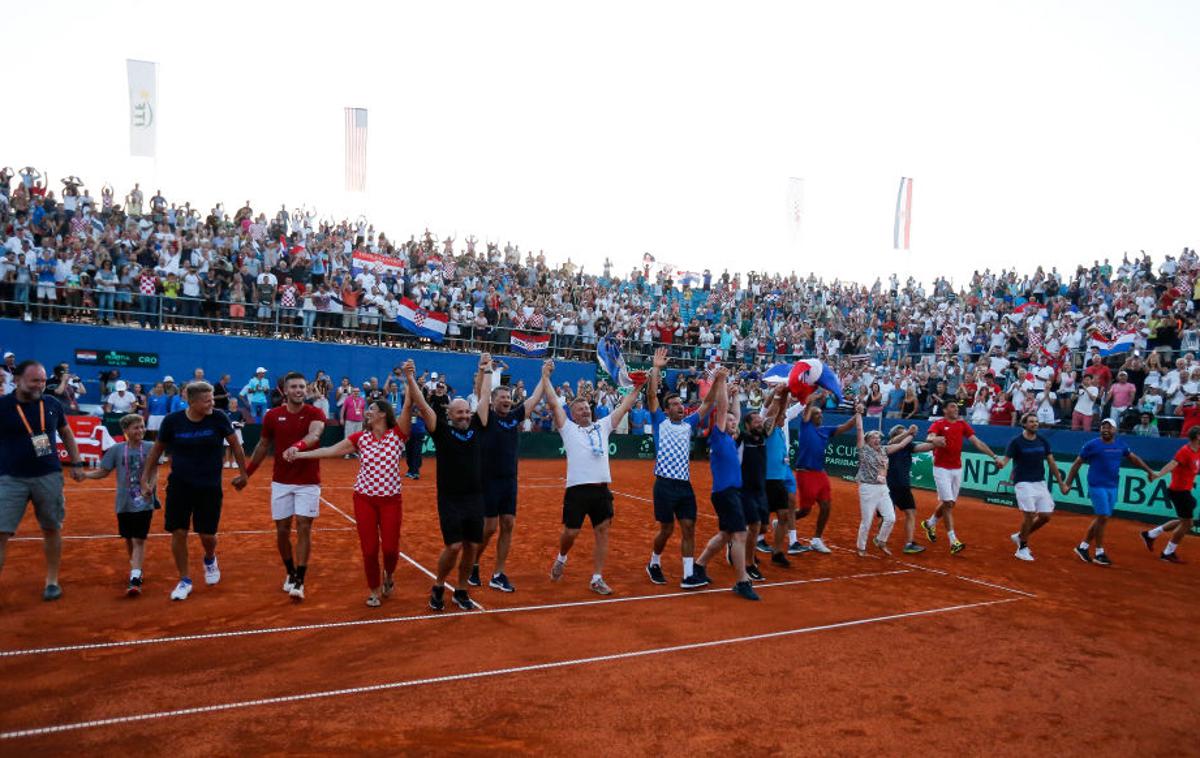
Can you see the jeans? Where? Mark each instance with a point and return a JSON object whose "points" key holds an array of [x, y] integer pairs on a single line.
{"points": [[104, 305], [148, 310], [22, 295], [259, 410], [309, 318]]}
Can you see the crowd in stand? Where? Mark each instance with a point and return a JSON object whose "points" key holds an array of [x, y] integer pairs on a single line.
{"points": [[1072, 346]]}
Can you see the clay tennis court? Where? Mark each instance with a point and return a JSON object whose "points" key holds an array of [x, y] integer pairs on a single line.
{"points": [[975, 654]]}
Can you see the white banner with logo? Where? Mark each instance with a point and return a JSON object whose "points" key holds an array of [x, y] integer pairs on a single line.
{"points": [[143, 107]]}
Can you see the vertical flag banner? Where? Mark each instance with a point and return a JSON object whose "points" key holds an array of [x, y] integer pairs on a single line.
{"points": [[795, 203], [900, 232], [143, 107], [356, 149]]}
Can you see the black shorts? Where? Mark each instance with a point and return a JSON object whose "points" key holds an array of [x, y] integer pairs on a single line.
{"points": [[591, 500], [499, 497], [198, 508], [134, 525], [754, 505], [673, 499], [902, 498], [777, 495], [728, 505], [1183, 501], [461, 518]]}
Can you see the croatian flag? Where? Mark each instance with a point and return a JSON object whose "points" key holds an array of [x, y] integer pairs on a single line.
{"points": [[1122, 343], [423, 323], [363, 261], [1029, 308], [532, 345], [777, 374]]}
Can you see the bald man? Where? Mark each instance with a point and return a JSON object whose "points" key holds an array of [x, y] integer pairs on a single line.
{"points": [[458, 440]]}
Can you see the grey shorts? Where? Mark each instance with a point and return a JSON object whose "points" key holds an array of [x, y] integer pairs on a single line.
{"points": [[46, 494]]}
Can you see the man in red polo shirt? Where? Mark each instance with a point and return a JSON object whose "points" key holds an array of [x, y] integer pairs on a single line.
{"points": [[295, 484], [1182, 468], [1101, 374], [947, 435]]}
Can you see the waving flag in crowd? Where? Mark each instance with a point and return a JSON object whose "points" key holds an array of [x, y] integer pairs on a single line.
{"points": [[423, 323], [608, 355], [808, 374], [1122, 343]]}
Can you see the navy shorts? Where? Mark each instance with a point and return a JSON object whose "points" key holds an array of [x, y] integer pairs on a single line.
{"points": [[1183, 501], [673, 499], [902, 498], [728, 505], [135, 525], [754, 505], [195, 507], [499, 497], [777, 495], [461, 518]]}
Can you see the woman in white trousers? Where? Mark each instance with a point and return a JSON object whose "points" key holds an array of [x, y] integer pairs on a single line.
{"points": [[873, 494]]}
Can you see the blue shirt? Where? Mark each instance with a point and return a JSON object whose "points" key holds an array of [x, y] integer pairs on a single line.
{"points": [[638, 419], [777, 456], [197, 448], [1028, 458], [723, 459], [673, 445], [1104, 461], [810, 455], [158, 405], [500, 443]]}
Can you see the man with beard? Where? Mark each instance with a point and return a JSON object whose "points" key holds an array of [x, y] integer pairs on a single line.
{"points": [[458, 438], [500, 475], [752, 450], [947, 435]]}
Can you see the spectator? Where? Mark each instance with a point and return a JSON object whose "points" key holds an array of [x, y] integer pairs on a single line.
{"points": [[255, 392]]}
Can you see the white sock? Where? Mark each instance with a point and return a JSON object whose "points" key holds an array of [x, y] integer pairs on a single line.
{"points": [[135, 573], [1156, 531], [687, 567], [791, 536], [932, 520], [561, 558], [655, 559], [597, 578], [1099, 550], [953, 537], [1084, 546], [1169, 549]]}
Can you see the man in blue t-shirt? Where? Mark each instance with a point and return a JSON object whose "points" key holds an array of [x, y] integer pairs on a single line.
{"points": [[780, 484], [726, 489], [674, 499], [1030, 453], [812, 483], [30, 422], [500, 473], [1103, 457]]}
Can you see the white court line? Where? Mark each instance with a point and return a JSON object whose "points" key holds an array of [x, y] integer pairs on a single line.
{"points": [[168, 534], [423, 617], [239, 704], [403, 554], [877, 557]]}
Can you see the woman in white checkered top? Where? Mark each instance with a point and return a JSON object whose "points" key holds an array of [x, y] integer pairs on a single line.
{"points": [[377, 502]]}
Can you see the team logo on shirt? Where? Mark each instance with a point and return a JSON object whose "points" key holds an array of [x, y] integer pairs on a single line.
{"points": [[464, 437]]}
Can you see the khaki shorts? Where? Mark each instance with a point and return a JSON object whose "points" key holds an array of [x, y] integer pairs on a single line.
{"points": [[46, 494]]}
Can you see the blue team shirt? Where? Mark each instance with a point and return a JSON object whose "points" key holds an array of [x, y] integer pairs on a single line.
{"points": [[1028, 458], [723, 459], [158, 405], [673, 445], [1104, 461], [777, 455], [500, 443], [810, 455]]}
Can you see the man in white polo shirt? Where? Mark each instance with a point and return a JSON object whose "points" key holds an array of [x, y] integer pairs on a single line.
{"points": [[586, 444], [121, 401]]}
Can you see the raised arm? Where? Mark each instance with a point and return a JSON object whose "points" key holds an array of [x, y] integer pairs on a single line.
{"points": [[660, 362], [899, 444], [625, 405], [774, 409], [420, 403], [713, 397], [733, 399], [858, 428], [404, 420], [531, 403], [485, 378], [855, 419]]}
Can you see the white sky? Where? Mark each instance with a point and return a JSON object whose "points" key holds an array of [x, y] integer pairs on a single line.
{"points": [[1037, 132]]}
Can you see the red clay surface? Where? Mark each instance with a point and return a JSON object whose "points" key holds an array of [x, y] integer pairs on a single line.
{"points": [[876, 655]]}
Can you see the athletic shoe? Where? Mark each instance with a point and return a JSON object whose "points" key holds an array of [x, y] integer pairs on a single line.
{"points": [[473, 580], [656, 574], [957, 547], [297, 592], [416, 476], [881, 545], [289, 583], [135, 586], [389, 585], [1168, 557], [780, 560], [913, 548], [52, 592], [818, 544], [796, 548], [500, 582], [754, 574], [1102, 559], [556, 571], [600, 587], [373, 601], [1016, 538], [762, 546], [694, 582], [1148, 540], [930, 531], [1024, 554], [463, 600], [745, 590], [182, 590], [436, 599], [212, 571], [1083, 554]]}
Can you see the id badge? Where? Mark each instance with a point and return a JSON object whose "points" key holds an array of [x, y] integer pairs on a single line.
{"points": [[41, 445]]}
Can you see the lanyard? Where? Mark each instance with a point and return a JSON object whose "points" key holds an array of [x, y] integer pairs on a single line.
{"points": [[42, 414]]}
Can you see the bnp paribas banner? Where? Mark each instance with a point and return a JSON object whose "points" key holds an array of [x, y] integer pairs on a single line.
{"points": [[1137, 497]]}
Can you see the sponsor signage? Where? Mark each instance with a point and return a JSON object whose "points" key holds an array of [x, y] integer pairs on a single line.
{"points": [[116, 358]]}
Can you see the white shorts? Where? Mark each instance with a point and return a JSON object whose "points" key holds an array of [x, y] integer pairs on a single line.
{"points": [[1034, 497], [949, 482], [154, 423], [46, 292], [289, 500], [237, 433]]}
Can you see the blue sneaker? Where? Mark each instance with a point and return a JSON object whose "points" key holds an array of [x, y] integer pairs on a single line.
{"points": [[52, 592], [745, 590]]}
